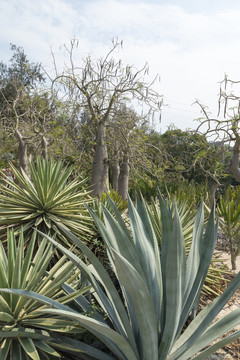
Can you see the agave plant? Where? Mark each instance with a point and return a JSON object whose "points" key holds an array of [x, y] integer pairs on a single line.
{"points": [[149, 318], [105, 201], [25, 332], [97, 244], [186, 214], [45, 200], [214, 280]]}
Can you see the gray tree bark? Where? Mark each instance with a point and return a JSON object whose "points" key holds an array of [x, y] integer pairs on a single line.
{"points": [[213, 193], [44, 146], [234, 166], [115, 169], [124, 176], [22, 153], [99, 178]]}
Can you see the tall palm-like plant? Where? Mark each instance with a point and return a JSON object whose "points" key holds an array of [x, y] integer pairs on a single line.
{"points": [[147, 320], [45, 200]]}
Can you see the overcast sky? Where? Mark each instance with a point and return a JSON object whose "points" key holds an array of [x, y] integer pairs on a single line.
{"points": [[190, 44]]}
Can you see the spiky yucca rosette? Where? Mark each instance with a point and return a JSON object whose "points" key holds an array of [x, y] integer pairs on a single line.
{"points": [[45, 200]]}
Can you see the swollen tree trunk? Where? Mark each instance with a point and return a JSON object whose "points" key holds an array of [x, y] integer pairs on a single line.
{"points": [[99, 178], [213, 193], [115, 169], [234, 166], [44, 146], [22, 153], [124, 176]]}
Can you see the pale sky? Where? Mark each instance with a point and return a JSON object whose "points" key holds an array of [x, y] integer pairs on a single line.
{"points": [[190, 44]]}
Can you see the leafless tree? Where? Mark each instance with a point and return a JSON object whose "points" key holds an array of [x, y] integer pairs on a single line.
{"points": [[225, 130], [21, 117], [102, 87]]}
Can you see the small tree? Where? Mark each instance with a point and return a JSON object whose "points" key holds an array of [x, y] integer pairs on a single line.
{"points": [[103, 87], [22, 105], [226, 130], [229, 210], [124, 137]]}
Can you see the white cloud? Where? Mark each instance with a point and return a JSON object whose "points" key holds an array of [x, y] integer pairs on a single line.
{"points": [[36, 25]]}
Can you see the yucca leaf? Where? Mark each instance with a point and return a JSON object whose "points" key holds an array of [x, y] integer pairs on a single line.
{"points": [[53, 324], [46, 348], [4, 305], [104, 332], [4, 279], [16, 276], [11, 256], [29, 348], [26, 333], [38, 297], [16, 351], [28, 259], [70, 345], [6, 317], [4, 349], [81, 301], [55, 278]]}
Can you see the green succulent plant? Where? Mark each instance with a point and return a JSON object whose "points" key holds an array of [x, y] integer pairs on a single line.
{"points": [[229, 211], [45, 200], [149, 318], [105, 201], [97, 244], [214, 280], [25, 332]]}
